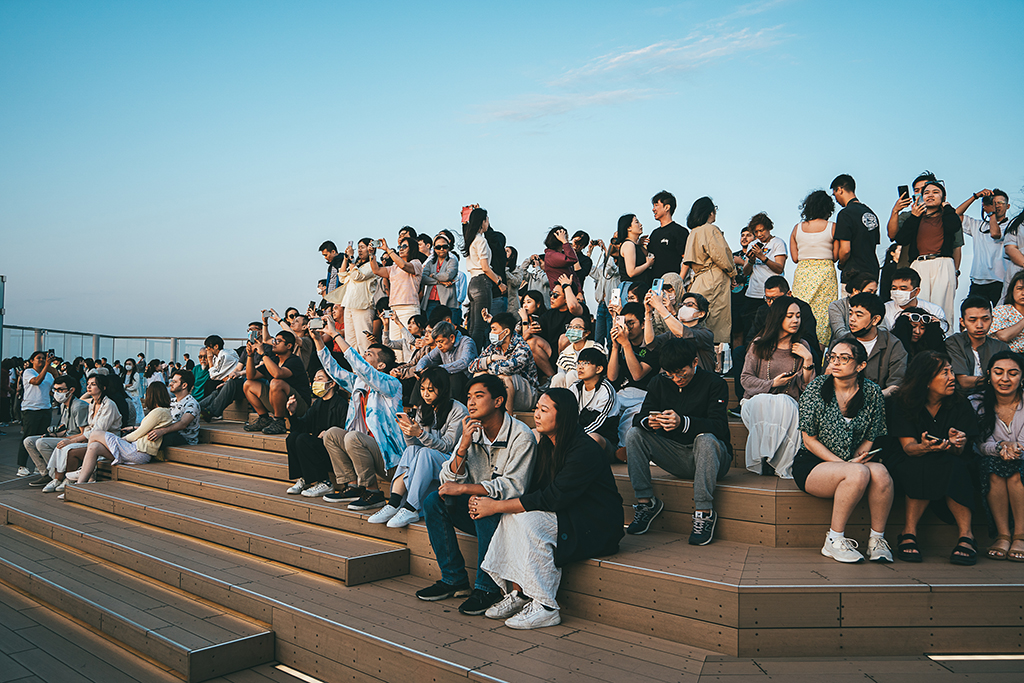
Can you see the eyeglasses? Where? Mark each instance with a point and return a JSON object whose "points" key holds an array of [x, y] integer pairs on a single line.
{"points": [[839, 358], [575, 327], [292, 315], [919, 317], [672, 375], [440, 247]]}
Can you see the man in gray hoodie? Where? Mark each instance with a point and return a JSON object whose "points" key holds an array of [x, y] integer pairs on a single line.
{"points": [[495, 459]]}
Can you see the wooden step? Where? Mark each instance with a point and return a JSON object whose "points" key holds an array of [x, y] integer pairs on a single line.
{"points": [[193, 638], [232, 434], [258, 463], [343, 556], [376, 631]]}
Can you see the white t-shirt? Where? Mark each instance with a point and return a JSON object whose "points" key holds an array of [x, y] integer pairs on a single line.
{"points": [[892, 311], [988, 253], [761, 272], [868, 345], [35, 397], [479, 253]]}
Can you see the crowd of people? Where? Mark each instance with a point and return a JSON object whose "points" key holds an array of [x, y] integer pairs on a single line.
{"points": [[867, 382]]}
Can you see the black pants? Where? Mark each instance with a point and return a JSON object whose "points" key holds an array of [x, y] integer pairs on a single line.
{"points": [[307, 458], [990, 292], [33, 423]]}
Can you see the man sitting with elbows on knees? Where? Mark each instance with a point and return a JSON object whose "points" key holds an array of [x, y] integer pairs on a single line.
{"points": [[510, 358], [495, 458], [270, 381], [74, 417], [682, 427]]}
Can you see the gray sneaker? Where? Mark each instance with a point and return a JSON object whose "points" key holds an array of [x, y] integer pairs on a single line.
{"points": [[643, 515], [259, 424]]}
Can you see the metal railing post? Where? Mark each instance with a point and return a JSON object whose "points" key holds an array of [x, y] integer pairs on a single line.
{"points": [[96, 346], [38, 346], [174, 348]]}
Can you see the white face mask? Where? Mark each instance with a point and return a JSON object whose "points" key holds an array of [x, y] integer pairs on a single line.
{"points": [[901, 298], [494, 337], [688, 314], [60, 396]]}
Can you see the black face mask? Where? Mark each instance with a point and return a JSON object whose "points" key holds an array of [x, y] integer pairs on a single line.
{"points": [[861, 332]]}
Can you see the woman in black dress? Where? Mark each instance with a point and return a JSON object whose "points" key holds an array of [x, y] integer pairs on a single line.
{"points": [[932, 428]]}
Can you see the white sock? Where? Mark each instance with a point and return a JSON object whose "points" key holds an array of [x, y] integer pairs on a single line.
{"points": [[833, 535], [877, 534]]}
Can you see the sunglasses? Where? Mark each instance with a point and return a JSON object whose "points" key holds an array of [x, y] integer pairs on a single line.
{"points": [[919, 317], [440, 247]]}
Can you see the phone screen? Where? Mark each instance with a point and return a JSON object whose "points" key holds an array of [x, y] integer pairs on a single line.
{"points": [[904, 191]]}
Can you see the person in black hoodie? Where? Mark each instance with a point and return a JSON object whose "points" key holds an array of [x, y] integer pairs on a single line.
{"points": [[572, 511], [309, 464], [688, 436]]}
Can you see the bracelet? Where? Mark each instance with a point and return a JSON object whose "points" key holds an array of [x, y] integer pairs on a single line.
{"points": [[808, 367], [974, 195]]}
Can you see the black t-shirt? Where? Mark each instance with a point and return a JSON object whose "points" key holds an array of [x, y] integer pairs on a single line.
{"points": [[298, 380], [496, 241], [586, 265], [644, 354], [859, 225], [668, 244], [553, 325]]}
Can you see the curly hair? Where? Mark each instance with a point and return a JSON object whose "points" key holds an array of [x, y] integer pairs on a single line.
{"points": [[817, 205]]}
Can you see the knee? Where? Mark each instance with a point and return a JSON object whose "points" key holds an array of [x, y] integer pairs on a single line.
{"points": [[250, 385], [880, 475], [859, 475], [634, 441], [334, 437], [706, 444], [277, 385], [433, 505]]}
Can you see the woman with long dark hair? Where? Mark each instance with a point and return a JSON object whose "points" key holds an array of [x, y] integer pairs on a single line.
{"points": [[635, 264], [1001, 445], [103, 417], [710, 260], [133, 385], [359, 285], [777, 368], [814, 251], [1008, 319], [153, 372], [932, 429], [431, 434], [482, 277], [134, 448], [573, 511], [842, 415], [919, 331]]}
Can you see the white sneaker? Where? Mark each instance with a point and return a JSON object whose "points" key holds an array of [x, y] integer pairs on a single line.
{"points": [[297, 487], [318, 490], [72, 476], [842, 550], [60, 485], [404, 517], [51, 486], [23, 472], [383, 515], [511, 604], [534, 615], [879, 550]]}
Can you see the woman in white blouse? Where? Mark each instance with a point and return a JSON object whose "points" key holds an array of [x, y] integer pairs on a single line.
{"points": [[481, 277]]}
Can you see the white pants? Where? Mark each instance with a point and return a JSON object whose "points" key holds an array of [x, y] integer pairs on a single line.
{"points": [[938, 284], [357, 321], [773, 432]]}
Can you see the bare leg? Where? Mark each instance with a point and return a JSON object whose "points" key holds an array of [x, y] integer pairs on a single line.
{"points": [[962, 515], [999, 503], [541, 355], [398, 485], [879, 496], [915, 508], [97, 448], [510, 389], [279, 390], [252, 391], [845, 483], [1015, 489]]}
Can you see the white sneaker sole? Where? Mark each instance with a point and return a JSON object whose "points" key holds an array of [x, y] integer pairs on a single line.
{"points": [[848, 560]]}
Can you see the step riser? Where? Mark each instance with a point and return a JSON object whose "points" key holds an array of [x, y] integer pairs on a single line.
{"points": [[351, 571], [192, 665], [256, 440], [238, 465]]}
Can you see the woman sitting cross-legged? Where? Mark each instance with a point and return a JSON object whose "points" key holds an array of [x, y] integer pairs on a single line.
{"points": [[430, 439], [842, 414], [135, 448], [1000, 466], [931, 428], [573, 511], [309, 463], [777, 368]]}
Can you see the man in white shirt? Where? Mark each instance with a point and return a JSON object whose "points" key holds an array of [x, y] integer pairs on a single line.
{"points": [[906, 286], [765, 257], [987, 270], [36, 412], [227, 375]]}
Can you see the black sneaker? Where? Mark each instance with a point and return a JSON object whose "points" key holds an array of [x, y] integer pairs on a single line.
{"points": [[348, 494], [643, 515], [371, 500], [40, 482], [703, 528], [479, 601], [276, 426], [442, 591], [258, 424]]}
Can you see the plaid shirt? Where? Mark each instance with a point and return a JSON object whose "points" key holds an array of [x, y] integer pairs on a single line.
{"points": [[518, 360]]}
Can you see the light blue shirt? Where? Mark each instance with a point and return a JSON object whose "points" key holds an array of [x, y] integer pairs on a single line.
{"points": [[383, 402]]}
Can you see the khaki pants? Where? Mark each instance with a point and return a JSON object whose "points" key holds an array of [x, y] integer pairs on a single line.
{"points": [[354, 456]]}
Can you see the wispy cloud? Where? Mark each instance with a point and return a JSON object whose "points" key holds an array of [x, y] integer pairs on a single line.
{"points": [[639, 73], [535, 105]]}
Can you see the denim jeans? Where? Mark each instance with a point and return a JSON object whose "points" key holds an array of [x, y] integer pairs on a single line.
{"points": [[442, 520], [603, 325], [499, 304]]}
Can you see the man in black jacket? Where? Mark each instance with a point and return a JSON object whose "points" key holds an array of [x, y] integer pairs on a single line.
{"points": [[688, 436]]}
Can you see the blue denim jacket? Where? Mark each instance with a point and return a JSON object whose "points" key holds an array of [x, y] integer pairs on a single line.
{"points": [[383, 401]]}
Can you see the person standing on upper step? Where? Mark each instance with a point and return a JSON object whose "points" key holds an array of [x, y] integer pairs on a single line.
{"points": [[667, 242], [682, 427]]}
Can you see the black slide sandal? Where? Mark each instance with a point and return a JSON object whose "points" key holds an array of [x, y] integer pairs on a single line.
{"points": [[906, 543], [965, 552]]}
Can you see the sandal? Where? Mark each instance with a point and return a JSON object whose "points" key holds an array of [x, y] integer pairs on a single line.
{"points": [[906, 548], [965, 552], [994, 552], [1015, 555]]}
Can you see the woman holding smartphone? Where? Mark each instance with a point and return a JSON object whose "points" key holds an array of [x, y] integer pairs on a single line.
{"points": [[431, 435], [932, 428], [842, 414]]}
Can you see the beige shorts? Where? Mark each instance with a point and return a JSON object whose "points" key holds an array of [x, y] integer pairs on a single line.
{"points": [[300, 405]]}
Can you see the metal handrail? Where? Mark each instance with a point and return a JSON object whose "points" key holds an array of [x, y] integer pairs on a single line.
{"points": [[107, 336]]}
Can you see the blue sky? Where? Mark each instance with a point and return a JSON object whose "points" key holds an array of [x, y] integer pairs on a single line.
{"points": [[170, 168]]}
